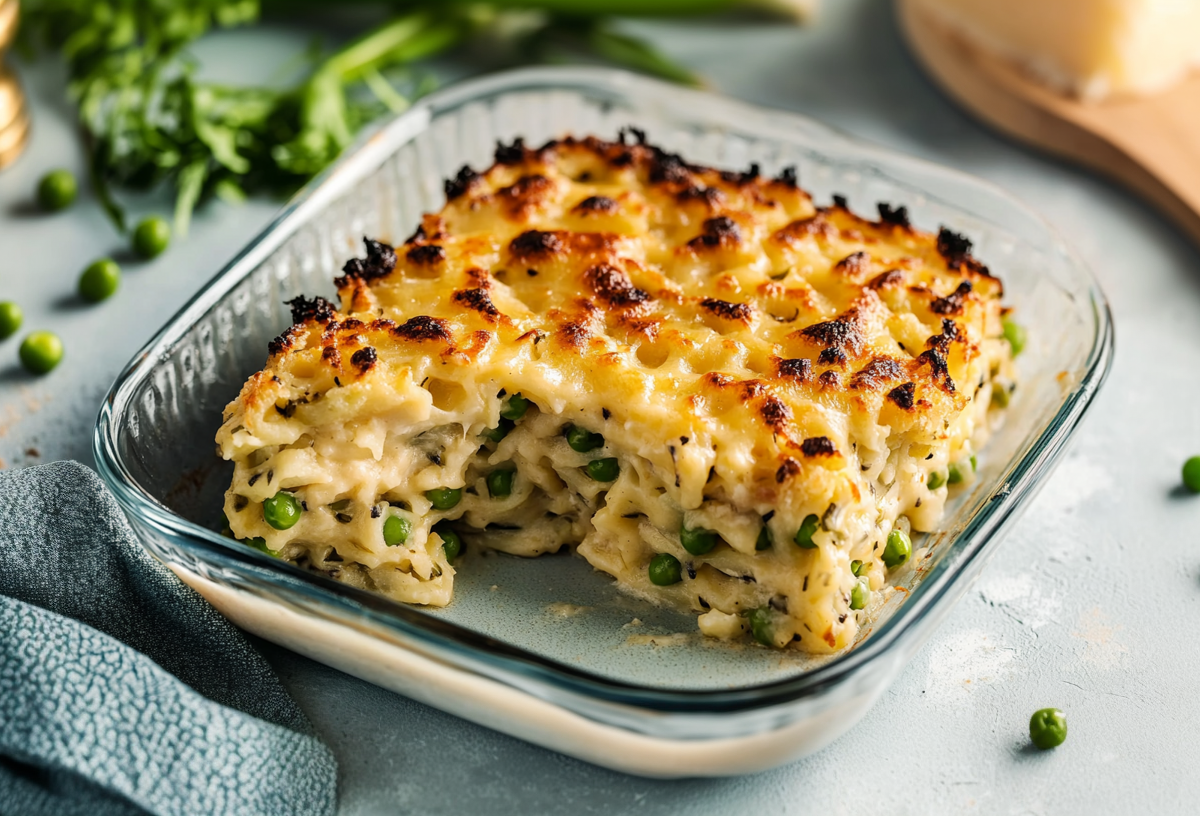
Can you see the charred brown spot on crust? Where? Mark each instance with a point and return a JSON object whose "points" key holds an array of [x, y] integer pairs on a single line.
{"points": [[317, 308], [817, 446], [832, 356], [478, 277], [461, 183], [854, 264], [904, 395], [728, 311], [331, 355], [741, 176], [613, 286], [510, 154], [638, 135], [382, 325], [788, 176], [719, 231], [535, 243], [877, 373], [829, 379], [886, 280], [426, 255], [953, 247], [842, 333], [840, 202], [937, 368], [423, 327], [752, 389], [668, 167], [718, 380], [942, 341], [380, 261], [817, 225], [574, 334], [774, 413], [896, 216], [800, 369], [283, 342], [711, 197], [477, 300], [952, 304], [789, 468], [597, 205], [364, 358], [525, 193]]}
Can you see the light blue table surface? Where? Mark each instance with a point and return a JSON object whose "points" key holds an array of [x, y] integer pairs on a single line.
{"points": [[1092, 603]]}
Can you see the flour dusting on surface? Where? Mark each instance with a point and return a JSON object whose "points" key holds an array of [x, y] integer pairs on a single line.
{"points": [[965, 659], [1022, 598], [1101, 647]]}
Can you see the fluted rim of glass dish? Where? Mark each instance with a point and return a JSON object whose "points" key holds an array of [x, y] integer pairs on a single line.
{"points": [[481, 654]]}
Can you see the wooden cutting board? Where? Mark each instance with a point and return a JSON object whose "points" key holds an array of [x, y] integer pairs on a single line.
{"points": [[1150, 144]]}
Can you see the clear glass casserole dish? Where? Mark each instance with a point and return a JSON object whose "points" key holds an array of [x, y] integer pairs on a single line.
{"points": [[546, 649]]}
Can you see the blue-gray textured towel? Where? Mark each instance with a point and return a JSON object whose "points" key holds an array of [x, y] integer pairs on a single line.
{"points": [[121, 690]]}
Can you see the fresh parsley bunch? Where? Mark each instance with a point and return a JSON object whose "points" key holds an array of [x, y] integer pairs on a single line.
{"points": [[148, 120]]}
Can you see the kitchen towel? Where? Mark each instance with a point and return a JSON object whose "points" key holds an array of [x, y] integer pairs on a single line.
{"points": [[121, 690]]}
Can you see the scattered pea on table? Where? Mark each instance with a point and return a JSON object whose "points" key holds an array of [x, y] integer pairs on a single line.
{"points": [[40, 352], [1048, 728], [11, 318], [57, 190], [1191, 474], [151, 237], [100, 280]]}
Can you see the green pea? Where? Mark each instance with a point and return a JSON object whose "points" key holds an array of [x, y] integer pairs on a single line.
{"points": [[444, 498], [1000, 395], [259, 543], [860, 595], [11, 318], [282, 511], [515, 407], [898, 548], [396, 530], [603, 470], [764, 541], [697, 541], [1015, 334], [1048, 728], [57, 190], [808, 528], [451, 542], [760, 625], [100, 280], [856, 567], [954, 475], [40, 352], [582, 441], [936, 480], [665, 570], [1191, 474], [500, 431], [500, 482], [151, 237]]}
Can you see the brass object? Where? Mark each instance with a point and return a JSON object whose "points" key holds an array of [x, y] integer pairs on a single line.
{"points": [[14, 112]]}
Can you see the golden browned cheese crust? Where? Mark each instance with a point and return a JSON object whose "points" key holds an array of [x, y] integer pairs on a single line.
{"points": [[750, 359]]}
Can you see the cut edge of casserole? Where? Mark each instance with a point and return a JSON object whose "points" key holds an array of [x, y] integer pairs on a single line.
{"points": [[599, 345]]}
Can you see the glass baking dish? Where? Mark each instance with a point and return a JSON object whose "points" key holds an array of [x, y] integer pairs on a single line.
{"points": [[546, 649]]}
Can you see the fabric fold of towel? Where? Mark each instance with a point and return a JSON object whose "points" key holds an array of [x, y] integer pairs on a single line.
{"points": [[121, 690]]}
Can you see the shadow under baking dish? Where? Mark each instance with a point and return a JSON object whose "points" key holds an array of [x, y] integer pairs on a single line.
{"points": [[551, 654]]}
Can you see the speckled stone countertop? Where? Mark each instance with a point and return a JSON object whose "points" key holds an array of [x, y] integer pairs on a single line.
{"points": [[1091, 603]]}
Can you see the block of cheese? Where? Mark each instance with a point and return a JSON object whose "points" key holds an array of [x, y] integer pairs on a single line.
{"points": [[1087, 48]]}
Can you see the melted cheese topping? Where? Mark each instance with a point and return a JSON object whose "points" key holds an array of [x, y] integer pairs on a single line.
{"points": [[750, 363]]}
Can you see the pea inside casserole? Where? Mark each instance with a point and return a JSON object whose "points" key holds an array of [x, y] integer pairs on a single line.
{"points": [[728, 398]]}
